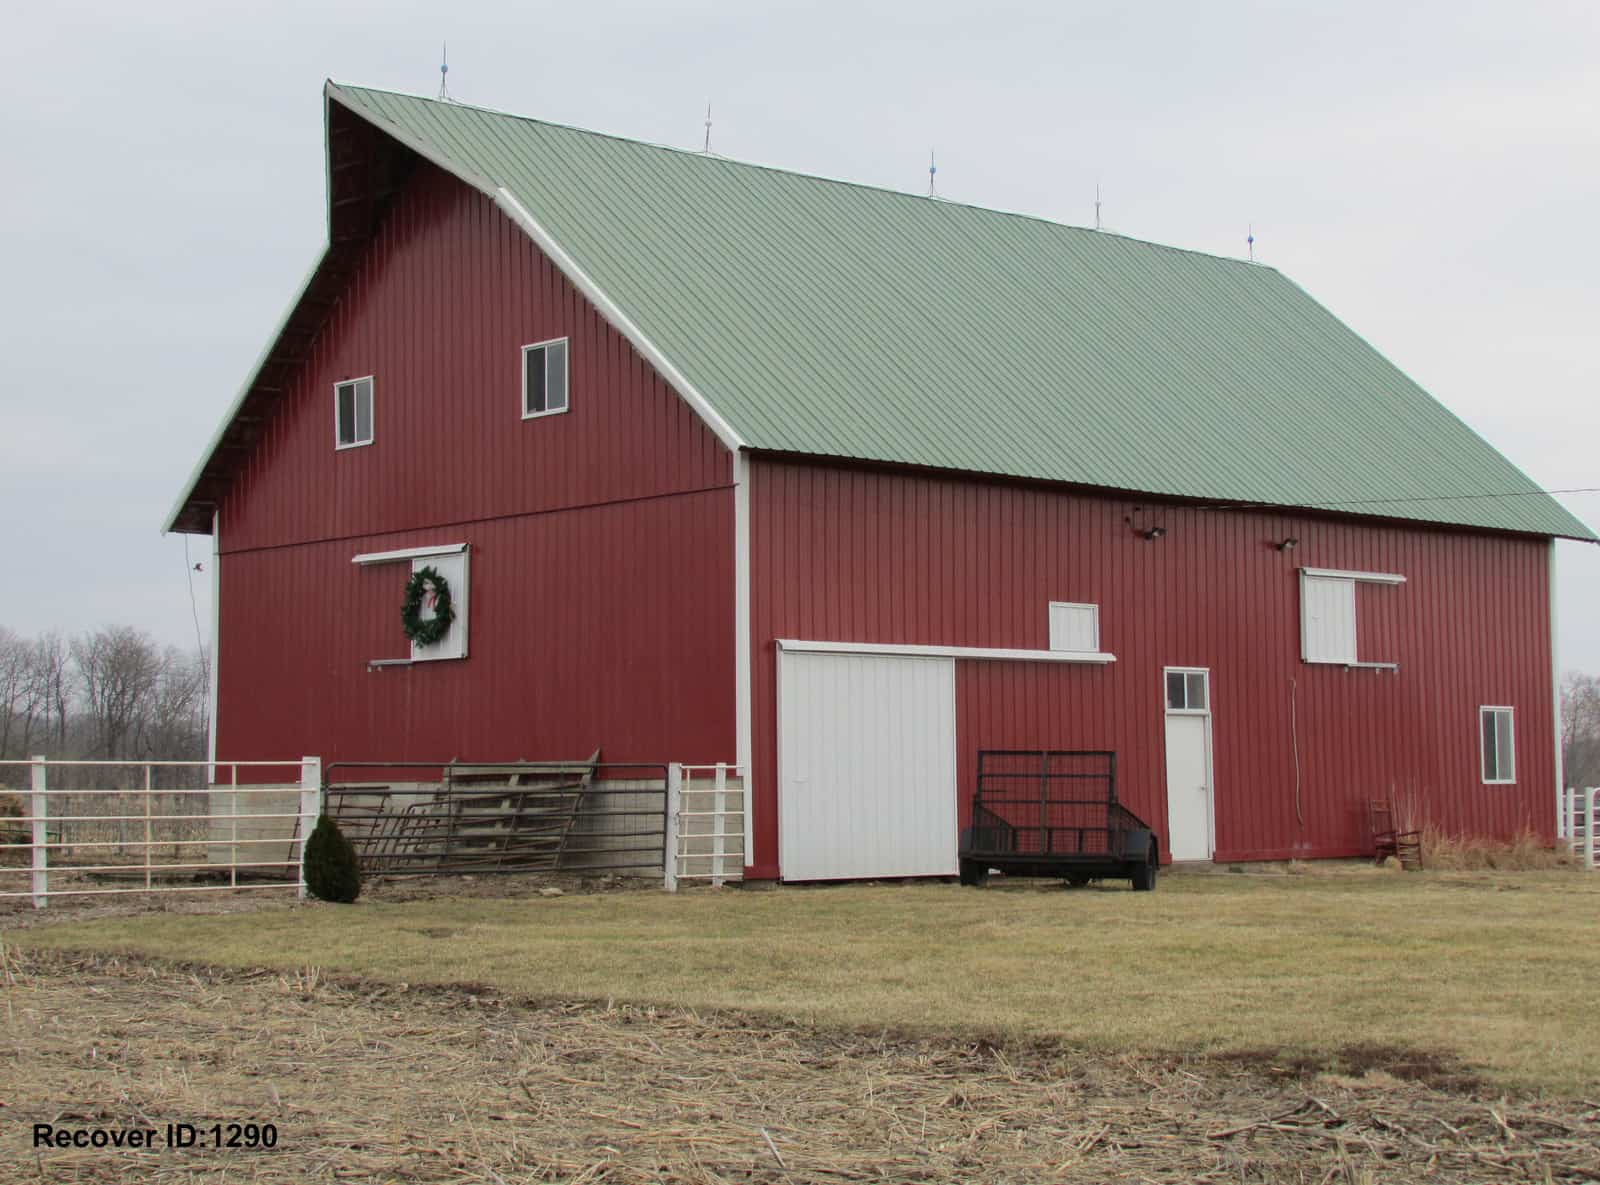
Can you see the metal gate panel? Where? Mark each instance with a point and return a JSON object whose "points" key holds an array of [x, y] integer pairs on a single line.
{"points": [[866, 766]]}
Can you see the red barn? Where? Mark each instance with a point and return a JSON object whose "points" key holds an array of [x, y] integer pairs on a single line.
{"points": [[723, 463]]}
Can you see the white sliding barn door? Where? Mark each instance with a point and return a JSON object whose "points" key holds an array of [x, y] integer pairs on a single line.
{"points": [[866, 766]]}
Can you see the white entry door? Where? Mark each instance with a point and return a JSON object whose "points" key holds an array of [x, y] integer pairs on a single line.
{"points": [[866, 766], [1189, 813]]}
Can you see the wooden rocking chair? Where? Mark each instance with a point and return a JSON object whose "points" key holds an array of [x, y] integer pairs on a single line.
{"points": [[1404, 846]]}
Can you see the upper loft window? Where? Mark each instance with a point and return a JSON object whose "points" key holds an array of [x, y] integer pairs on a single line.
{"points": [[544, 378], [352, 413], [1328, 615], [1497, 746]]}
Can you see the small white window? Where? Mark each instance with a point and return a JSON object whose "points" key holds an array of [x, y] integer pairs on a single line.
{"points": [[1074, 627], [1497, 745], [352, 412], [1187, 691], [544, 378]]}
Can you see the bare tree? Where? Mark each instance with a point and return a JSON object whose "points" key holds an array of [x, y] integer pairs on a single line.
{"points": [[15, 672], [1580, 729], [118, 675], [173, 724], [50, 674]]}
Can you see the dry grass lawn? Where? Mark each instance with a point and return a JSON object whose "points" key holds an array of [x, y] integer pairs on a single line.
{"points": [[372, 1082], [1494, 969]]}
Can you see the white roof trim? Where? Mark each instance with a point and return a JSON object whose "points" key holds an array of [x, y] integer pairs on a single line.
{"points": [[407, 553], [244, 390], [619, 320], [982, 653], [1367, 577]]}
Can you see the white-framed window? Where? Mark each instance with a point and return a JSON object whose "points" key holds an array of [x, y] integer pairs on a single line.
{"points": [[1328, 615], [544, 378], [1188, 690], [352, 412], [1074, 627], [1497, 745]]}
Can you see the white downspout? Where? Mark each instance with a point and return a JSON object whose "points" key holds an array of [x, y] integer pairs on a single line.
{"points": [[1555, 684], [741, 641], [216, 614]]}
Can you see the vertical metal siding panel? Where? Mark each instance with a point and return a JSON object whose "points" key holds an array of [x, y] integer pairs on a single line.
{"points": [[1213, 592], [610, 661]]}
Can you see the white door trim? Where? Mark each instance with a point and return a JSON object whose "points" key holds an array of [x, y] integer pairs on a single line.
{"points": [[1211, 780]]}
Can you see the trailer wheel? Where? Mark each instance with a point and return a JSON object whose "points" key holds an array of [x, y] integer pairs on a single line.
{"points": [[1144, 875], [974, 873], [1077, 879]]}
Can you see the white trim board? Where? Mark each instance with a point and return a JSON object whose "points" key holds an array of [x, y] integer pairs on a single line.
{"points": [[982, 653], [1555, 688], [1364, 577], [607, 308], [743, 711], [407, 553]]}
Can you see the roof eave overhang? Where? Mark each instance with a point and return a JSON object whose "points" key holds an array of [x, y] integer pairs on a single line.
{"points": [[1342, 513], [191, 513]]}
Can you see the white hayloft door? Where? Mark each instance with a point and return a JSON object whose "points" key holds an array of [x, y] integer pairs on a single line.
{"points": [[866, 766], [453, 568]]}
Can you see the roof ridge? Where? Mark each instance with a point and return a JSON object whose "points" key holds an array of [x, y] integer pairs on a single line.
{"points": [[734, 162]]}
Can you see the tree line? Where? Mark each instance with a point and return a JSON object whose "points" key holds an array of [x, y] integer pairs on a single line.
{"points": [[111, 694], [1580, 729]]}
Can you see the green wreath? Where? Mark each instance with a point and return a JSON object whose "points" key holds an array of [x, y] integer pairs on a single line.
{"points": [[426, 632]]}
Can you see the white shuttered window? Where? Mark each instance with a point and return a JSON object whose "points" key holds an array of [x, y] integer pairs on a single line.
{"points": [[1327, 619]]}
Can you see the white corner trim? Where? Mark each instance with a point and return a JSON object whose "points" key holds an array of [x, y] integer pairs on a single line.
{"points": [[1555, 691], [1364, 577], [743, 711], [407, 553], [216, 633], [981, 653], [620, 321]]}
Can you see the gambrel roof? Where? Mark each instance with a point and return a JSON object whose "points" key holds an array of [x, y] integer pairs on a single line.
{"points": [[809, 316]]}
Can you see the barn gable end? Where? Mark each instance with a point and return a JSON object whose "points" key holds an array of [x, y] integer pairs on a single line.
{"points": [[573, 521]]}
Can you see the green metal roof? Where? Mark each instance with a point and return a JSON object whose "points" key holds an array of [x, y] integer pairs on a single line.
{"points": [[841, 320]]}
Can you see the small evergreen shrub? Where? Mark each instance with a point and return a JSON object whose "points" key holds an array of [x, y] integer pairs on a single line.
{"points": [[333, 873]]}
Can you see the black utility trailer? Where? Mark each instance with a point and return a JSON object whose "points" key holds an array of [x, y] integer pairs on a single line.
{"points": [[1054, 813]]}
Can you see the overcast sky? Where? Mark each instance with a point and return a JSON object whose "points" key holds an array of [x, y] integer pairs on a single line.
{"points": [[1429, 171]]}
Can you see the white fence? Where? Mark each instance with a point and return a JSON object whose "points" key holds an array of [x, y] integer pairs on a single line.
{"points": [[705, 824], [1577, 823], [103, 828]]}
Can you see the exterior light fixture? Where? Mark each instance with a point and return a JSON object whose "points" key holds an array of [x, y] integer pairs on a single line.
{"points": [[1289, 544], [1154, 532]]}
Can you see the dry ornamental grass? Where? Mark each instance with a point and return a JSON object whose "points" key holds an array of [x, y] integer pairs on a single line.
{"points": [[384, 1082]]}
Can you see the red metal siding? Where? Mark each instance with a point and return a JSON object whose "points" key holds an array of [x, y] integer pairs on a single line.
{"points": [[855, 555], [601, 599], [604, 628], [437, 310]]}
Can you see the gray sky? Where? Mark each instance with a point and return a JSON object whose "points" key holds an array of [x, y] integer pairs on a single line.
{"points": [[1429, 171]]}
